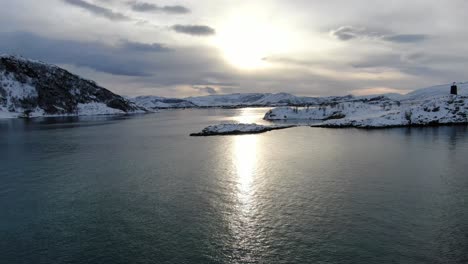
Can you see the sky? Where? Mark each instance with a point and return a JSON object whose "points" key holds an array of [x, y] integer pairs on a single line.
{"points": [[179, 48]]}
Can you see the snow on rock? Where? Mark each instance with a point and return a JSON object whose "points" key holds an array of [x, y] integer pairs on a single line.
{"points": [[14, 89], [446, 109], [156, 102], [31, 88], [238, 129], [97, 109], [331, 110]]}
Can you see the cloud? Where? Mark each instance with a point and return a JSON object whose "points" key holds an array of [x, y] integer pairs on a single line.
{"points": [[175, 9], [148, 7], [410, 64], [209, 90], [378, 90], [99, 10], [405, 38], [144, 67], [195, 30], [291, 61], [346, 33], [205, 90], [144, 47], [375, 34], [123, 59]]}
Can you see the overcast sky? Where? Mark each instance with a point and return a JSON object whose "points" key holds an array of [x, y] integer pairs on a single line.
{"points": [[198, 47]]}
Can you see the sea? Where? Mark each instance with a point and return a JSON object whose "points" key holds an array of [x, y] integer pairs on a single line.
{"points": [[139, 189]]}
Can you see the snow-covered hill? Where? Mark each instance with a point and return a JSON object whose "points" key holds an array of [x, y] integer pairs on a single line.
{"points": [[227, 100], [435, 91], [240, 100], [429, 106], [33, 88], [156, 102], [285, 99], [251, 99]]}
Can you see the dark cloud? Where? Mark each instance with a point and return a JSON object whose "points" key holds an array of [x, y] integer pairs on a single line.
{"points": [[175, 9], [99, 10], [143, 47], [348, 33], [141, 71], [195, 30], [124, 59], [148, 7], [144, 65], [406, 38], [344, 33]]}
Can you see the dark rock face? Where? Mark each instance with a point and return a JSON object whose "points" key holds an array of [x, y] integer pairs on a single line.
{"points": [[58, 91]]}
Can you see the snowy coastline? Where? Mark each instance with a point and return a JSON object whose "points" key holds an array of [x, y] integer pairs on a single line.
{"points": [[425, 107], [237, 129]]}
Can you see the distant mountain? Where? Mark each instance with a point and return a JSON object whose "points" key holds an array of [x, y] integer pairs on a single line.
{"points": [[35, 88], [228, 100], [250, 99], [237, 100], [156, 102]]}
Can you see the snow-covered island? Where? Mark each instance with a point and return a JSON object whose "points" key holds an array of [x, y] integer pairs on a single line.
{"points": [[237, 129], [425, 107]]}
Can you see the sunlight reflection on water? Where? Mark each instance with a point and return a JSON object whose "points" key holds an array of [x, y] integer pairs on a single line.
{"points": [[245, 159], [251, 115], [244, 225]]}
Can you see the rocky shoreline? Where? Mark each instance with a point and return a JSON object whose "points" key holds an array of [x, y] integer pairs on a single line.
{"points": [[237, 129]]}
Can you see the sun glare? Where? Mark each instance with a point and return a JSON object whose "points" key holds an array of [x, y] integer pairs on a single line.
{"points": [[246, 41]]}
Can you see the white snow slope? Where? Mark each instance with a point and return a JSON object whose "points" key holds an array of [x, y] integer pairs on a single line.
{"points": [[430, 106]]}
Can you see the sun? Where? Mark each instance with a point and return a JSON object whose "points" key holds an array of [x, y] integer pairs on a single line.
{"points": [[246, 41]]}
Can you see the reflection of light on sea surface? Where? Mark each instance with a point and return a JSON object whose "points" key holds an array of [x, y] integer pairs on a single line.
{"points": [[243, 223], [248, 115], [245, 158]]}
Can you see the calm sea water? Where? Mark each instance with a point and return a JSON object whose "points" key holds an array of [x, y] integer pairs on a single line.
{"points": [[140, 190]]}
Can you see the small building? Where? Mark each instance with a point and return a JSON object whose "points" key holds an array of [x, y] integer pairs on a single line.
{"points": [[454, 89]]}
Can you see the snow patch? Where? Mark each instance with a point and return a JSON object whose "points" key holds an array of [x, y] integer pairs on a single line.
{"points": [[97, 109], [16, 89]]}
